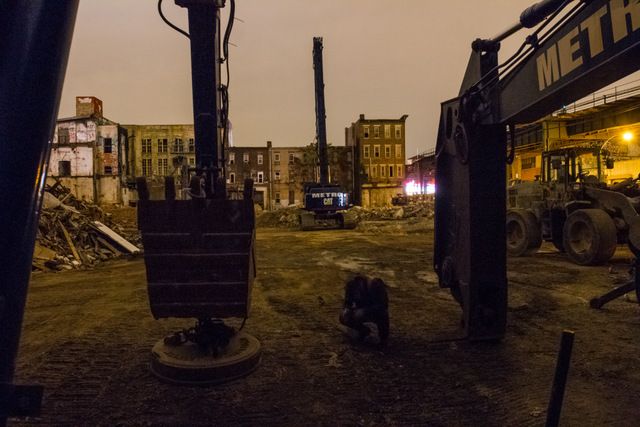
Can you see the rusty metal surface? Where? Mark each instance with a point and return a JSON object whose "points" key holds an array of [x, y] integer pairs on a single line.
{"points": [[199, 260]]}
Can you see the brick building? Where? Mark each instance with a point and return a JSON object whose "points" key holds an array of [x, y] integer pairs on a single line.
{"points": [[249, 162], [287, 176], [157, 151], [89, 154], [379, 153]]}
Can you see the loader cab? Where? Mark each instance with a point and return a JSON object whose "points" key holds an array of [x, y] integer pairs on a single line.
{"points": [[572, 165]]}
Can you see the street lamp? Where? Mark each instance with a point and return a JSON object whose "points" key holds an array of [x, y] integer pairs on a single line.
{"points": [[626, 136]]}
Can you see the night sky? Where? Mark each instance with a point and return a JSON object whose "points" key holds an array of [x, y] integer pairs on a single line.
{"points": [[381, 58]]}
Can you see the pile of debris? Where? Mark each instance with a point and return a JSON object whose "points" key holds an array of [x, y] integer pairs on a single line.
{"points": [[284, 217], [421, 209], [74, 234], [289, 217]]}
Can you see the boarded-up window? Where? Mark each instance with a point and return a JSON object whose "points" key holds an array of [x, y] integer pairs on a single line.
{"points": [[63, 135], [64, 168]]}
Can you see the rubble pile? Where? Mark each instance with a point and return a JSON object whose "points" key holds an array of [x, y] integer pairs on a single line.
{"points": [[421, 209], [414, 212], [75, 234], [285, 217]]}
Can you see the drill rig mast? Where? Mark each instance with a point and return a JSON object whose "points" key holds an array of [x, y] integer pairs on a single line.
{"points": [[323, 200]]}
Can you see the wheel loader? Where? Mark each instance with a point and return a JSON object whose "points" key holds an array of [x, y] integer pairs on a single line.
{"points": [[573, 208]]}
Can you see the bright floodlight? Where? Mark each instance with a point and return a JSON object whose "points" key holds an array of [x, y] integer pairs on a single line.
{"points": [[627, 136]]}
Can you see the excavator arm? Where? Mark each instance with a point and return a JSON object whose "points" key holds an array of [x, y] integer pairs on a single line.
{"points": [[576, 48]]}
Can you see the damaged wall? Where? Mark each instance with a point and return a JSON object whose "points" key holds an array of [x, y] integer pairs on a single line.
{"points": [[85, 158], [80, 161], [107, 149]]}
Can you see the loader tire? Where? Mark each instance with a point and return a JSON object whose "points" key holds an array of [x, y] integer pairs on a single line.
{"points": [[523, 233], [589, 237]]}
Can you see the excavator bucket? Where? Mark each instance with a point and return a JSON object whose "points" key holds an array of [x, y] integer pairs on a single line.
{"points": [[199, 254]]}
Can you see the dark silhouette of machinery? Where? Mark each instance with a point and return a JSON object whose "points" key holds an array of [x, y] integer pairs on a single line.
{"points": [[576, 48], [199, 253]]}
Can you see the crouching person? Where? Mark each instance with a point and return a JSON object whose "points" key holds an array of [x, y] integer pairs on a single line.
{"points": [[366, 302]]}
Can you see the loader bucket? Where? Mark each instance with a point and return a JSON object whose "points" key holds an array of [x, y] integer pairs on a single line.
{"points": [[199, 255]]}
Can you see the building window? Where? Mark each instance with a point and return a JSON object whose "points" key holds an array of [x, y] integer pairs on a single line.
{"points": [[376, 151], [192, 145], [260, 159], [365, 151], [366, 171], [245, 157], [260, 177], [383, 170], [276, 157], [178, 145], [387, 131], [277, 197], [277, 175], [365, 131], [63, 136], [64, 168], [146, 167], [163, 167], [108, 170], [192, 161], [376, 131], [398, 129], [387, 151], [146, 146], [398, 151], [528, 162], [232, 158], [232, 178], [390, 171], [399, 169], [163, 145], [374, 171], [291, 158], [292, 197]]}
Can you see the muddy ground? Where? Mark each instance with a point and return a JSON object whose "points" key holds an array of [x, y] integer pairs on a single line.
{"points": [[88, 334]]}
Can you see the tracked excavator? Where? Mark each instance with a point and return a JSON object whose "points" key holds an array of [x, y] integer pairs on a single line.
{"points": [[575, 48], [323, 201]]}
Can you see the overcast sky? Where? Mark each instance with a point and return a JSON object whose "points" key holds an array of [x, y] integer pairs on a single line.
{"points": [[382, 58]]}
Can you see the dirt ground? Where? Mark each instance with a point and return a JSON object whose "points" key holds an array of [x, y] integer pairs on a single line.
{"points": [[88, 334]]}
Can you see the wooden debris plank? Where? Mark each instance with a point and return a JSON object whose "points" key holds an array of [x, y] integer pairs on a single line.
{"points": [[115, 237], [74, 251], [109, 246]]}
